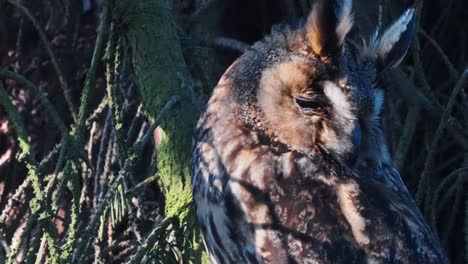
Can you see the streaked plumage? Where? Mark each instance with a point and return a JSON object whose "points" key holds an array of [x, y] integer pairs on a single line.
{"points": [[289, 161]]}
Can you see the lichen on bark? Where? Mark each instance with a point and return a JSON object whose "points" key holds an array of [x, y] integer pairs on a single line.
{"points": [[160, 70]]}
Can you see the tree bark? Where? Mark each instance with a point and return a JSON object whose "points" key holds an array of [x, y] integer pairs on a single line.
{"points": [[149, 28]]}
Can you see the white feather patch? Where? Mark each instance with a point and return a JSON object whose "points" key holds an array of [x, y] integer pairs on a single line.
{"points": [[393, 34], [339, 100], [345, 19], [344, 116], [346, 193], [381, 45]]}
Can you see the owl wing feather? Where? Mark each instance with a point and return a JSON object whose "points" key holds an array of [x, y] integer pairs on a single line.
{"points": [[257, 207]]}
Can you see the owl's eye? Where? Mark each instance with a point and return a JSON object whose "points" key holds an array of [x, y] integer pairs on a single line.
{"points": [[307, 105]]}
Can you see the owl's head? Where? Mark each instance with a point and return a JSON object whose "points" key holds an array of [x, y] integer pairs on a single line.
{"points": [[313, 88]]}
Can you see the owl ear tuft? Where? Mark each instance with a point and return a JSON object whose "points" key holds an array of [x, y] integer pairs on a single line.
{"points": [[389, 48], [327, 26]]}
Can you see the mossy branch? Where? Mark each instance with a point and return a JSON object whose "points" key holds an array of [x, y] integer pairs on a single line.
{"points": [[37, 204], [91, 75], [51, 110], [26, 151], [90, 231], [161, 73], [24, 234], [115, 99], [153, 237]]}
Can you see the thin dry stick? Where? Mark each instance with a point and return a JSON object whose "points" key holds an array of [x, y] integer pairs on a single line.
{"points": [[448, 6], [101, 157], [452, 70], [15, 198], [42, 250], [91, 75], [136, 152], [5, 246], [141, 184], [437, 194], [24, 143], [231, 43], [24, 234], [432, 150], [202, 6], [88, 233], [58, 167], [133, 125], [412, 94], [34, 244], [407, 135], [150, 240], [174, 99], [45, 41], [189, 86], [418, 67], [453, 212], [19, 40], [51, 110], [49, 156], [99, 110]]}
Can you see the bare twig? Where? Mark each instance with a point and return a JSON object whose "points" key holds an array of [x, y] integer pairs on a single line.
{"points": [[231, 43], [452, 70], [91, 75], [51, 110], [23, 139], [412, 94], [133, 125], [453, 211], [14, 198], [151, 240], [101, 158], [442, 124], [142, 184], [88, 236], [19, 48], [15, 248], [136, 152], [49, 156], [189, 86], [45, 41], [201, 7], [443, 186], [42, 250], [99, 110], [407, 135], [113, 55], [159, 119]]}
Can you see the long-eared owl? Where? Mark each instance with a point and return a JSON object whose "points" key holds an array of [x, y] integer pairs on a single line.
{"points": [[290, 164]]}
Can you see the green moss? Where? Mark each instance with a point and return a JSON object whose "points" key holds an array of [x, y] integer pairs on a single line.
{"points": [[160, 70]]}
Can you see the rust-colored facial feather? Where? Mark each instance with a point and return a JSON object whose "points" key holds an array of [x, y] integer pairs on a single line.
{"points": [[304, 109]]}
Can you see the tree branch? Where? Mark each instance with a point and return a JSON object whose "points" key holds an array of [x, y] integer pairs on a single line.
{"points": [[45, 41], [438, 134]]}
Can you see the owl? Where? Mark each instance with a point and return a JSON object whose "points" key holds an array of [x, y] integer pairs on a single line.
{"points": [[289, 161]]}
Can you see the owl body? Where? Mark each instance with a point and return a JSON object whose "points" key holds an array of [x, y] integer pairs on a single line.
{"points": [[289, 162]]}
